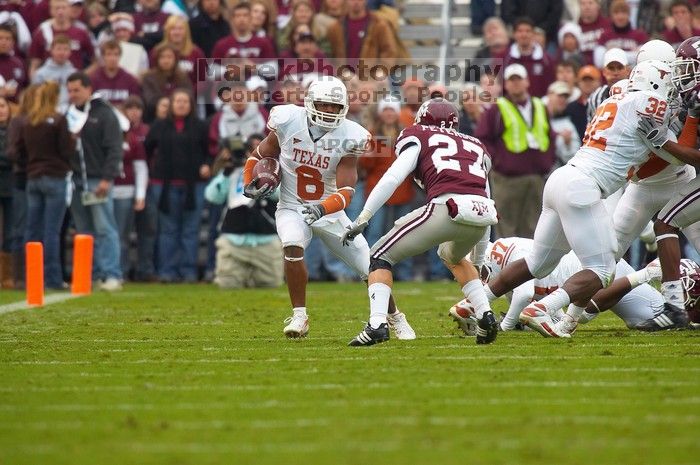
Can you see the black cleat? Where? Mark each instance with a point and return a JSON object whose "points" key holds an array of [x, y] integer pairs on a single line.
{"points": [[370, 336], [671, 317], [487, 329]]}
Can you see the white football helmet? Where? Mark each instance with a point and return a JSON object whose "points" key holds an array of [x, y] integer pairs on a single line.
{"points": [[620, 87], [656, 50], [653, 76], [327, 89]]}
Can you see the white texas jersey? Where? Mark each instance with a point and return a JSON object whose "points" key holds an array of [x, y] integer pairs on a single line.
{"points": [[507, 250], [612, 148], [308, 166]]}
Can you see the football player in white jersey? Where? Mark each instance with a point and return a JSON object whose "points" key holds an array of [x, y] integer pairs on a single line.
{"points": [[655, 182], [629, 296], [573, 213], [683, 210], [317, 149]]}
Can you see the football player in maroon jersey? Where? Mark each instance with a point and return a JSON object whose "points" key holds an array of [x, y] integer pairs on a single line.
{"points": [[452, 168]]}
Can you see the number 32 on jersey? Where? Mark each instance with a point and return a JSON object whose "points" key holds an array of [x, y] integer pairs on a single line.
{"points": [[605, 116]]}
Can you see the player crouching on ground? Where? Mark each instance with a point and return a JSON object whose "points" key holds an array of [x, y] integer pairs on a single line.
{"points": [[248, 251], [452, 168], [317, 149]]}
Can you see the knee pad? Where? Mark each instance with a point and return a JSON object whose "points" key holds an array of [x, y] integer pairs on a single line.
{"points": [[379, 264], [444, 251]]}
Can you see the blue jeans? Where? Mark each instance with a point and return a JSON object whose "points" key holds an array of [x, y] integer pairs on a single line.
{"points": [[6, 206], [124, 216], [147, 233], [178, 235], [98, 220], [46, 208], [19, 219], [215, 212]]}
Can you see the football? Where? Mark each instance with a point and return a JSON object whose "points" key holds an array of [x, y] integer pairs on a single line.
{"points": [[267, 172]]}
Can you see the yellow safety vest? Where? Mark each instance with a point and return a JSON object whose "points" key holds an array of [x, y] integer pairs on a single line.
{"points": [[516, 130]]}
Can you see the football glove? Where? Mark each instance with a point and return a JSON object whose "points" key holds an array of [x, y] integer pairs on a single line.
{"points": [[252, 191], [354, 230], [653, 131], [312, 212]]}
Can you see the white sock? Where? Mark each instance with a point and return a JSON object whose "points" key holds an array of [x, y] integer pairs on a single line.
{"points": [[556, 300], [586, 317], [574, 312], [379, 294], [299, 311], [673, 293], [489, 295], [474, 291], [638, 278]]}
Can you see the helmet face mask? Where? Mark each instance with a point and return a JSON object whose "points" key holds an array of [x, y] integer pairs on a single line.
{"points": [[686, 67], [330, 90]]}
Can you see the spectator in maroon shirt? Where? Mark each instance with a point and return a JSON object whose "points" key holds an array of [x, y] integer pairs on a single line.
{"points": [[177, 34], [592, 26], [682, 23], [130, 188], [527, 52], [247, 49], [305, 56], [163, 79], [262, 15], [496, 43], [112, 82], [82, 52], [149, 23], [11, 68], [620, 34]]}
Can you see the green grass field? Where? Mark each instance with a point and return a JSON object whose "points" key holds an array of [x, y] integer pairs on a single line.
{"points": [[195, 375]]}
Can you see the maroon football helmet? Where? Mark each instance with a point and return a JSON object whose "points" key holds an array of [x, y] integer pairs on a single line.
{"points": [[438, 112], [690, 278], [686, 67]]}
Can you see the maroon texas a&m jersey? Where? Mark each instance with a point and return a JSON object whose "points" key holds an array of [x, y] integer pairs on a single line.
{"points": [[449, 162]]}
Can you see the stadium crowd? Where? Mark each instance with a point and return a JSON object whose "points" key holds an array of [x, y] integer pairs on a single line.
{"points": [[105, 127]]}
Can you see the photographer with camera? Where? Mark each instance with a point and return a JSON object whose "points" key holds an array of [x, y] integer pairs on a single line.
{"points": [[248, 251]]}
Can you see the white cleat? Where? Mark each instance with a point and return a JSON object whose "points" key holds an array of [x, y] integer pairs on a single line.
{"points": [[566, 325], [399, 324], [535, 316], [297, 326], [464, 315], [111, 285]]}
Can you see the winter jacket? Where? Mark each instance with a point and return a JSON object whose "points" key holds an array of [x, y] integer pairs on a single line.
{"points": [[102, 140]]}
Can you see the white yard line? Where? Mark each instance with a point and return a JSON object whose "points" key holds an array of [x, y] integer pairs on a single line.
{"points": [[48, 300]]}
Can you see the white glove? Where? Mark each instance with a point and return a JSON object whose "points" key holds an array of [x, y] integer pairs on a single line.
{"points": [[354, 230], [653, 131], [313, 212], [252, 191]]}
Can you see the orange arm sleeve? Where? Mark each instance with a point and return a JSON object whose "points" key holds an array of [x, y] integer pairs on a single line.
{"points": [[689, 133], [248, 167], [338, 200]]}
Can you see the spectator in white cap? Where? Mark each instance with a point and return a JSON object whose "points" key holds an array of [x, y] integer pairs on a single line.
{"points": [[134, 58], [570, 37], [567, 138], [517, 134], [615, 67]]}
